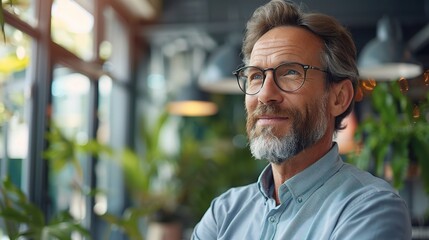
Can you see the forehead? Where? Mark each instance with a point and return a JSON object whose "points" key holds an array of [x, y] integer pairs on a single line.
{"points": [[287, 43]]}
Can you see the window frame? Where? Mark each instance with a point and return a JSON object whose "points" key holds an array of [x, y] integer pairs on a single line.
{"points": [[45, 55]]}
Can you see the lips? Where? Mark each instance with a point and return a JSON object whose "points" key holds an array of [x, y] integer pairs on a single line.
{"points": [[270, 120], [267, 116]]}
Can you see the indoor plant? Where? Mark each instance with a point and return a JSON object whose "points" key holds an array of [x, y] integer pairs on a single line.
{"points": [[23, 219], [396, 136]]}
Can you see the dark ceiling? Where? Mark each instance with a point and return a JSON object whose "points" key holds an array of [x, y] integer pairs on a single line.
{"points": [[221, 18]]}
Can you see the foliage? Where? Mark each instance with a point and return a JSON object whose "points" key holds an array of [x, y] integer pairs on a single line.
{"points": [[128, 222], [138, 174], [398, 135], [208, 163], [2, 18], [150, 163], [24, 219]]}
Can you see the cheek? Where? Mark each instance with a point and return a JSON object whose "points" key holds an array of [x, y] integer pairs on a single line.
{"points": [[250, 106], [250, 103]]}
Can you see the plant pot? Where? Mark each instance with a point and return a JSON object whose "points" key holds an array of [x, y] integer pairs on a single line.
{"points": [[164, 225], [164, 231]]}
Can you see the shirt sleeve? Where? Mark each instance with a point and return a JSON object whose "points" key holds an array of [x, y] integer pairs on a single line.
{"points": [[206, 229], [381, 215]]}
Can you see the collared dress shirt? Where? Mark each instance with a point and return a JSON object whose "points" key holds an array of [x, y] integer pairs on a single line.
{"points": [[328, 200]]}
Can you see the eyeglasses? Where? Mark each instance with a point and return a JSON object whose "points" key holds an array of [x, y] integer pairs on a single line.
{"points": [[289, 77]]}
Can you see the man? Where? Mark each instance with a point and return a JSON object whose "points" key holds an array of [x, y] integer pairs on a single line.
{"points": [[299, 81]]}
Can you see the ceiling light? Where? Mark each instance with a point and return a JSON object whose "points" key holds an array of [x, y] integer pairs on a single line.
{"points": [[217, 76], [192, 102], [387, 57]]}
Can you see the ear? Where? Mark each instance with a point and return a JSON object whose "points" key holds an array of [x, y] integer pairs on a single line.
{"points": [[341, 96]]}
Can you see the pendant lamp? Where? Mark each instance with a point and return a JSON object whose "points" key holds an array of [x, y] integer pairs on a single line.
{"points": [[191, 100], [217, 77], [387, 57]]}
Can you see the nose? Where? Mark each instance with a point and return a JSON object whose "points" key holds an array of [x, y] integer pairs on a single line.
{"points": [[270, 92]]}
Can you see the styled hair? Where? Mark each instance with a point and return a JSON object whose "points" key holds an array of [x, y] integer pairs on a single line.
{"points": [[338, 55]]}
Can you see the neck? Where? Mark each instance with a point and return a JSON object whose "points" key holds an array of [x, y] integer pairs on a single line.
{"points": [[289, 168]]}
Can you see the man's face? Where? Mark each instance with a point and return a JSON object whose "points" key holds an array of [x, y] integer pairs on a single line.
{"points": [[280, 124]]}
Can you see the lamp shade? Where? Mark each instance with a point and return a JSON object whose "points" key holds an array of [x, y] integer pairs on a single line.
{"points": [[386, 57], [192, 102], [217, 76]]}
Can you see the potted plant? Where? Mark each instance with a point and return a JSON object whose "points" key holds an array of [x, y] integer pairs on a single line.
{"points": [[395, 139]]}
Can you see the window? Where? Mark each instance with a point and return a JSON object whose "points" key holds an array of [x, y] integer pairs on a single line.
{"points": [[24, 9], [70, 109], [72, 27], [54, 68], [15, 57]]}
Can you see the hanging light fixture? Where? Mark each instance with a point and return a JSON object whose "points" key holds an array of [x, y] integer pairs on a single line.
{"points": [[387, 57], [217, 76], [191, 101]]}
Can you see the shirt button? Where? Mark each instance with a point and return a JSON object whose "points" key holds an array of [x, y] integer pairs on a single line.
{"points": [[272, 219], [300, 199]]}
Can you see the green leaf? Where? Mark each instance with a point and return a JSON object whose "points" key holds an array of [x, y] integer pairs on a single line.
{"points": [[61, 150], [150, 136], [12, 192], [16, 210], [2, 20], [95, 148], [129, 221], [420, 148], [61, 226], [390, 131], [138, 172], [400, 161]]}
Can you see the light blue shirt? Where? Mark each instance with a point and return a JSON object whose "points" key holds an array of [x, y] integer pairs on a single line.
{"points": [[328, 200]]}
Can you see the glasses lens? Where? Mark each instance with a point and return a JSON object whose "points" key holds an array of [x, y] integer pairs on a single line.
{"points": [[290, 76], [250, 79]]}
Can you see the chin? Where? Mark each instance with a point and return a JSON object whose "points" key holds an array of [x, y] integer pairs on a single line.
{"points": [[269, 132]]}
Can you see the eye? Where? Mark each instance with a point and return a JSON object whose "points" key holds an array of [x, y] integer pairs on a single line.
{"points": [[289, 70], [252, 73], [255, 76]]}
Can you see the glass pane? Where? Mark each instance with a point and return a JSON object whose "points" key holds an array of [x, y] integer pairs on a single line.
{"points": [[103, 136], [72, 27], [14, 106], [24, 9], [70, 110], [104, 89]]}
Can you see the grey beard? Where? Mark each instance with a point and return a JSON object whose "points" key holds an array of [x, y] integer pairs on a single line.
{"points": [[278, 150], [268, 146]]}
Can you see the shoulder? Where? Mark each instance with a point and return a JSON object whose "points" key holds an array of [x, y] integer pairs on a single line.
{"points": [[355, 180], [370, 205], [361, 189], [237, 195], [224, 208]]}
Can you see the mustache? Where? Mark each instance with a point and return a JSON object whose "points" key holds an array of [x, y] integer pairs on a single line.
{"points": [[270, 109]]}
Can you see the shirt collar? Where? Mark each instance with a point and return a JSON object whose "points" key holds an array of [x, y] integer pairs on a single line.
{"points": [[266, 182], [302, 185]]}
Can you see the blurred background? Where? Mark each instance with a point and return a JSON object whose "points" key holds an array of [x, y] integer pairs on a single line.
{"points": [[121, 119]]}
